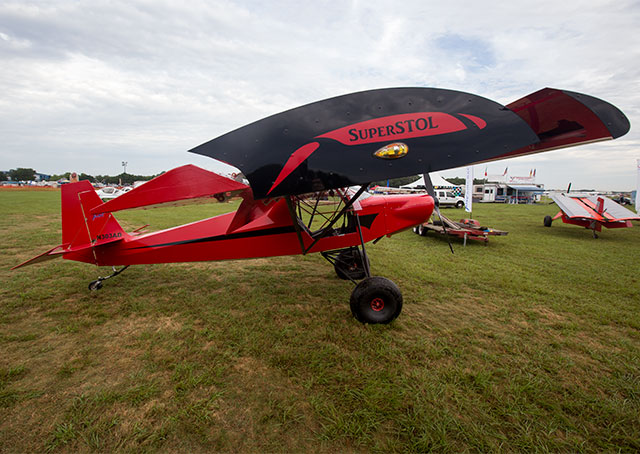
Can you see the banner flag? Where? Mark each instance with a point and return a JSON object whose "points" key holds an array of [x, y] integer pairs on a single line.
{"points": [[468, 190], [638, 188]]}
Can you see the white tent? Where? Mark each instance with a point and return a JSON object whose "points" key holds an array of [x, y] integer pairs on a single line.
{"points": [[437, 180]]}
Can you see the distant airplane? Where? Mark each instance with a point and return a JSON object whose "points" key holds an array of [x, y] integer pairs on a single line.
{"points": [[591, 212]]}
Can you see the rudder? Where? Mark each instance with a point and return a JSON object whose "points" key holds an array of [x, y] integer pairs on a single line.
{"points": [[81, 228]]}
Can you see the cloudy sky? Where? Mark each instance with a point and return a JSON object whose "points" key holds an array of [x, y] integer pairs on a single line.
{"points": [[87, 85]]}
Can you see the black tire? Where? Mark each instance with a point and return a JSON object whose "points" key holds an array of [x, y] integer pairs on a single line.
{"points": [[95, 285], [349, 265], [547, 221], [422, 231], [415, 230], [459, 204], [376, 300]]}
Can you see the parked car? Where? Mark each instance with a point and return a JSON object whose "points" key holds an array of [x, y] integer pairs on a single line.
{"points": [[108, 192], [448, 198]]}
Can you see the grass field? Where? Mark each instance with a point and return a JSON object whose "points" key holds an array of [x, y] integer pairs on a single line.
{"points": [[531, 344]]}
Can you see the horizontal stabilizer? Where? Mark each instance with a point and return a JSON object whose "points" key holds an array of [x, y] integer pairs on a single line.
{"points": [[48, 255], [182, 183]]}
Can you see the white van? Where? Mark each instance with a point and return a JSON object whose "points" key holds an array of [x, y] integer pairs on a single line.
{"points": [[448, 198]]}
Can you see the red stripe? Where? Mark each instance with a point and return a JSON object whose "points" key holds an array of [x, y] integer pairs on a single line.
{"points": [[586, 203], [479, 122], [296, 158], [605, 214], [397, 127]]}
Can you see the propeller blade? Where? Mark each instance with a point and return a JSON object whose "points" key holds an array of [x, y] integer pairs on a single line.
{"points": [[428, 184]]}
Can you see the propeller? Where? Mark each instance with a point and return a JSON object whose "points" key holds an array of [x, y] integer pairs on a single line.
{"points": [[429, 185]]}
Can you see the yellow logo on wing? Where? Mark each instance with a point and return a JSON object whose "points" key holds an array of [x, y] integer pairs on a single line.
{"points": [[392, 151]]}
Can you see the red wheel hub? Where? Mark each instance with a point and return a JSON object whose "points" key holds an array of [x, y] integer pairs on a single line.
{"points": [[377, 304]]}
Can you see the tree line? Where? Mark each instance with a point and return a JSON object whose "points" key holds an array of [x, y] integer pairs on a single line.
{"points": [[22, 174], [19, 174], [123, 178], [27, 174]]}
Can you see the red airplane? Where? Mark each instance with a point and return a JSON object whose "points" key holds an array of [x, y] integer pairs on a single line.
{"points": [[302, 166], [591, 212]]}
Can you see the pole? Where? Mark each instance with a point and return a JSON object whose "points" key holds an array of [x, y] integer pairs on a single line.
{"points": [[638, 189], [468, 192]]}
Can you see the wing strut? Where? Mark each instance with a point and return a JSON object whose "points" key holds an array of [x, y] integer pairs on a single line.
{"points": [[296, 223], [337, 216], [429, 185], [365, 259]]}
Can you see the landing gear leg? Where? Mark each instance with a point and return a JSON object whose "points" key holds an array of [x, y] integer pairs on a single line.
{"points": [[97, 284], [347, 263], [375, 299]]}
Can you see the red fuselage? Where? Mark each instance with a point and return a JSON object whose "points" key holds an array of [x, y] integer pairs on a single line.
{"points": [[262, 228]]}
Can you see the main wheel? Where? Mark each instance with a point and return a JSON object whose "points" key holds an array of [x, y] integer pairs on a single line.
{"points": [[547, 221], [376, 300], [422, 231], [349, 265]]}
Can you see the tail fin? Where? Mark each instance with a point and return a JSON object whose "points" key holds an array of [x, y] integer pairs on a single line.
{"points": [[81, 231], [80, 228]]}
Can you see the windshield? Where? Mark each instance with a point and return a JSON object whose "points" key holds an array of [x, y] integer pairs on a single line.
{"points": [[352, 190]]}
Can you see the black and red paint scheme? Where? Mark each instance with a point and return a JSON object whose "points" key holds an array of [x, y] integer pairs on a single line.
{"points": [[294, 159]]}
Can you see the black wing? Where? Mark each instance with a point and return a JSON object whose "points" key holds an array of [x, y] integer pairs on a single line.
{"points": [[369, 136]]}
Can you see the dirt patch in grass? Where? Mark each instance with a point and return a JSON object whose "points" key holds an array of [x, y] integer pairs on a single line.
{"points": [[268, 407], [62, 367]]}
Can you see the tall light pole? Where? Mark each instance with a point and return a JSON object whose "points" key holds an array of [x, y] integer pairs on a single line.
{"points": [[124, 165]]}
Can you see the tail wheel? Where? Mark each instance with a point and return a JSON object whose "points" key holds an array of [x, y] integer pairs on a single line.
{"points": [[95, 285], [376, 300]]}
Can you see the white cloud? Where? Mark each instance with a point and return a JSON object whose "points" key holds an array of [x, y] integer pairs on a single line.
{"points": [[87, 85]]}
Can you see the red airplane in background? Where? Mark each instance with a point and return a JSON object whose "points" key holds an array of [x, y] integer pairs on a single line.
{"points": [[591, 212], [308, 169]]}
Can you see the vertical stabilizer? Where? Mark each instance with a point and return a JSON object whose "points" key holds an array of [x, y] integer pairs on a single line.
{"points": [[79, 227], [74, 226], [81, 231]]}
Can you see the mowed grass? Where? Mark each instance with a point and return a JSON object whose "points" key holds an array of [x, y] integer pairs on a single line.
{"points": [[531, 344]]}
